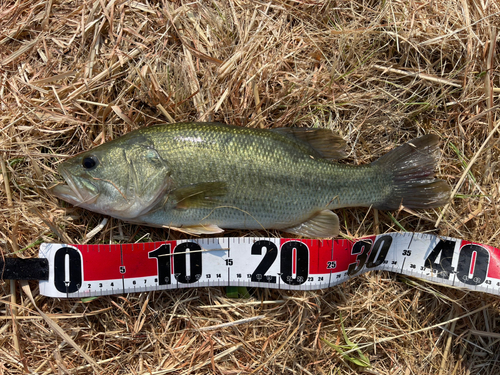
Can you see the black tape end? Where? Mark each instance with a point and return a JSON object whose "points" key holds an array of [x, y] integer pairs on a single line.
{"points": [[24, 269]]}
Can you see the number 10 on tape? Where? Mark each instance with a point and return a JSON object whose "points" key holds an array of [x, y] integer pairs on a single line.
{"points": [[281, 263]]}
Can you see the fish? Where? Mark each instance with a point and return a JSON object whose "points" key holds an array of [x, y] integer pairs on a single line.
{"points": [[203, 178]]}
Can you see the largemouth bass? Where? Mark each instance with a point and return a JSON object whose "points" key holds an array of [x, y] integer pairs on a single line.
{"points": [[201, 177]]}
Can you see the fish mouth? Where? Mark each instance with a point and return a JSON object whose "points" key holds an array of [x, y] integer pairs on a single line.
{"points": [[72, 193]]}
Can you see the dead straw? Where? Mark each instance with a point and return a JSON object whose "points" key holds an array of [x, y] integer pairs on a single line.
{"points": [[467, 169]]}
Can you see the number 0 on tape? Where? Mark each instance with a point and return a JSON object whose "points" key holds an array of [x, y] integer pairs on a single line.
{"points": [[281, 263]]}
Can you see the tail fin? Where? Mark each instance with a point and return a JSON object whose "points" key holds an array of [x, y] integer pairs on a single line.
{"points": [[411, 167]]}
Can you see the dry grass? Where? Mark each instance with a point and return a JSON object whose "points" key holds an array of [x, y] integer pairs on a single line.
{"points": [[74, 74]]}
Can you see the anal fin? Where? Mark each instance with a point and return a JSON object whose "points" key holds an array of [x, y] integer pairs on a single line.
{"points": [[323, 225]]}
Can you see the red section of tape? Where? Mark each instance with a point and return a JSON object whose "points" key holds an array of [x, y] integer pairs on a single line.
{"points": [[343, 253], [136, 261], [100, 262], [327, 256], [320, 254]]}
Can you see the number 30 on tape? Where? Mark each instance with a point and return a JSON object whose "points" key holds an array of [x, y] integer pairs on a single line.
{"points": [[282, 263]]}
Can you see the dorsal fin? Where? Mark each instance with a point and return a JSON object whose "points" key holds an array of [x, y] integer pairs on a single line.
{"points": [[323, 142]]}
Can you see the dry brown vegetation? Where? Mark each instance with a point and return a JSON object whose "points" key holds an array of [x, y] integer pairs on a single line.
{"points": [[74, 74]]}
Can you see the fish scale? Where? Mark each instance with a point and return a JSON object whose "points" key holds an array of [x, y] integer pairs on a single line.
{"points": [[272, 195], [201, 177]]}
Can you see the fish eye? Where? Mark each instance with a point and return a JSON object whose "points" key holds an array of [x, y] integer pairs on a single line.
{"points": [[90, 162]]}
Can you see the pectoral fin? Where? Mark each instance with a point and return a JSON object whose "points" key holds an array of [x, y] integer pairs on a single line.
{"points": [[323, 225], [202, 195]]}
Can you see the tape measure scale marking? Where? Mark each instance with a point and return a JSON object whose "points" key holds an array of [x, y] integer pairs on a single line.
{"points": [[94, 270]]}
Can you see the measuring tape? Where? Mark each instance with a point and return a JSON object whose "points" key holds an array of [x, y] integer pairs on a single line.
{"points": [[279, 263]]}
